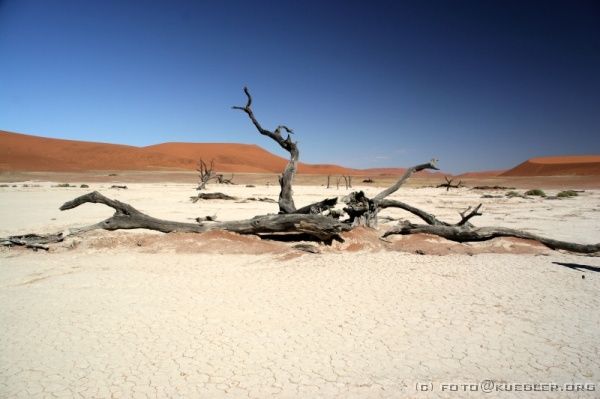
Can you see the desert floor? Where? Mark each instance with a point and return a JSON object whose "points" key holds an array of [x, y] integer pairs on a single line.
{"points": [[142, 314]]}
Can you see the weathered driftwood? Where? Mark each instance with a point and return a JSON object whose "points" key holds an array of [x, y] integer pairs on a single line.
{"points": [[464, 231], [211, 196], [33, 241], [449, 184], [471, 234], [318, 207], [126, 217], [286, 200], [222, 180], [362, 211], [261, 199], [427, 217]]}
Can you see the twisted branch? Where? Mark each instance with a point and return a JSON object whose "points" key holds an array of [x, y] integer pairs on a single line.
{"points": [[286, 200]]}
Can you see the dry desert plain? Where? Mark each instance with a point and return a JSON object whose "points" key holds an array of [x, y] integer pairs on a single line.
{"points": [[132, 314]]}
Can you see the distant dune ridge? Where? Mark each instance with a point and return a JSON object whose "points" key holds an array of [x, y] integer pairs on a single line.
{"points": [[21, 152], [578, 165]]}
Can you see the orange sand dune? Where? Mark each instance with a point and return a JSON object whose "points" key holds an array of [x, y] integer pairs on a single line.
{"points": [[21, 152], [575, 165], [482, 174]]}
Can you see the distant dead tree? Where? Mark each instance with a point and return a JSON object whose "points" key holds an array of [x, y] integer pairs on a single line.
{"points": [[319, 220], [223, 180], [205, 173], [348, 180], [449, 184], [328, 179]]}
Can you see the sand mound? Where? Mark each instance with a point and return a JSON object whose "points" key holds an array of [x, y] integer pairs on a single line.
{"points": [[21, 152], [578, 165], [482, 175]]}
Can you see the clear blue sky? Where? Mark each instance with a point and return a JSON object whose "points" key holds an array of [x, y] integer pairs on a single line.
{"points": [[478, 84]]}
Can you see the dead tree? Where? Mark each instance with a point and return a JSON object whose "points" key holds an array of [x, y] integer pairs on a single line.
{"points": [[286, 199], [222, 180], [464, 231], [328, 179], [348, 180], [205, 173], [449, 184], [309, 221], [362, 211]]}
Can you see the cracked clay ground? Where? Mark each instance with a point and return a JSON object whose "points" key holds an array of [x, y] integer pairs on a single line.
{"points": [[368, 325], [141, 315]]}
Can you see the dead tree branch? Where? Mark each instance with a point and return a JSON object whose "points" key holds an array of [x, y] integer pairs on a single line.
{"points": [[286, 200], [363, 211], [464, 216], [425, 216], [222, 180], [472, 234], [126, 217], [449, 184], [205, 173], [409, 172]]}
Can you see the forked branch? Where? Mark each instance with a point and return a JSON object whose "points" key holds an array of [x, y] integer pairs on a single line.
{"points": [[286, 200], [449, 184], [464, 216]]}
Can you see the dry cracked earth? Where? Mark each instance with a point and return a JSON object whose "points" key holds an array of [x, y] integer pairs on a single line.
{"points": [[121, 324]]}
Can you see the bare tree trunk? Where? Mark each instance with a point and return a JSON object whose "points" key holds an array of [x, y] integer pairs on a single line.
{"points": [[328, 179], [362, 211], [286, 200], [205, 173]]}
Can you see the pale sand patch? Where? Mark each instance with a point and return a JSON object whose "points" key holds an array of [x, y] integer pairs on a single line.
{"points": [[127, 314]]}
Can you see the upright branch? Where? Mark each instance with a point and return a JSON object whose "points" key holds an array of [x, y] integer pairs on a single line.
{"points": [[464, 216], [409, 172], [286, 200], [362, 211]]}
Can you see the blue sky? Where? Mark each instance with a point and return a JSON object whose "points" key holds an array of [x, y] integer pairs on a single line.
{"points": [[477, 84]]}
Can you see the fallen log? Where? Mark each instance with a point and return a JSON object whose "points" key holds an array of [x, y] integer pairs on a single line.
{"points": [[474, 234], [322, 228], [211, 196]]}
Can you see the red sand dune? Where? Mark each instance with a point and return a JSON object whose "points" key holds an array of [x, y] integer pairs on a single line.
{"points": [[21, 152], [575, 165], [482, 175]]}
